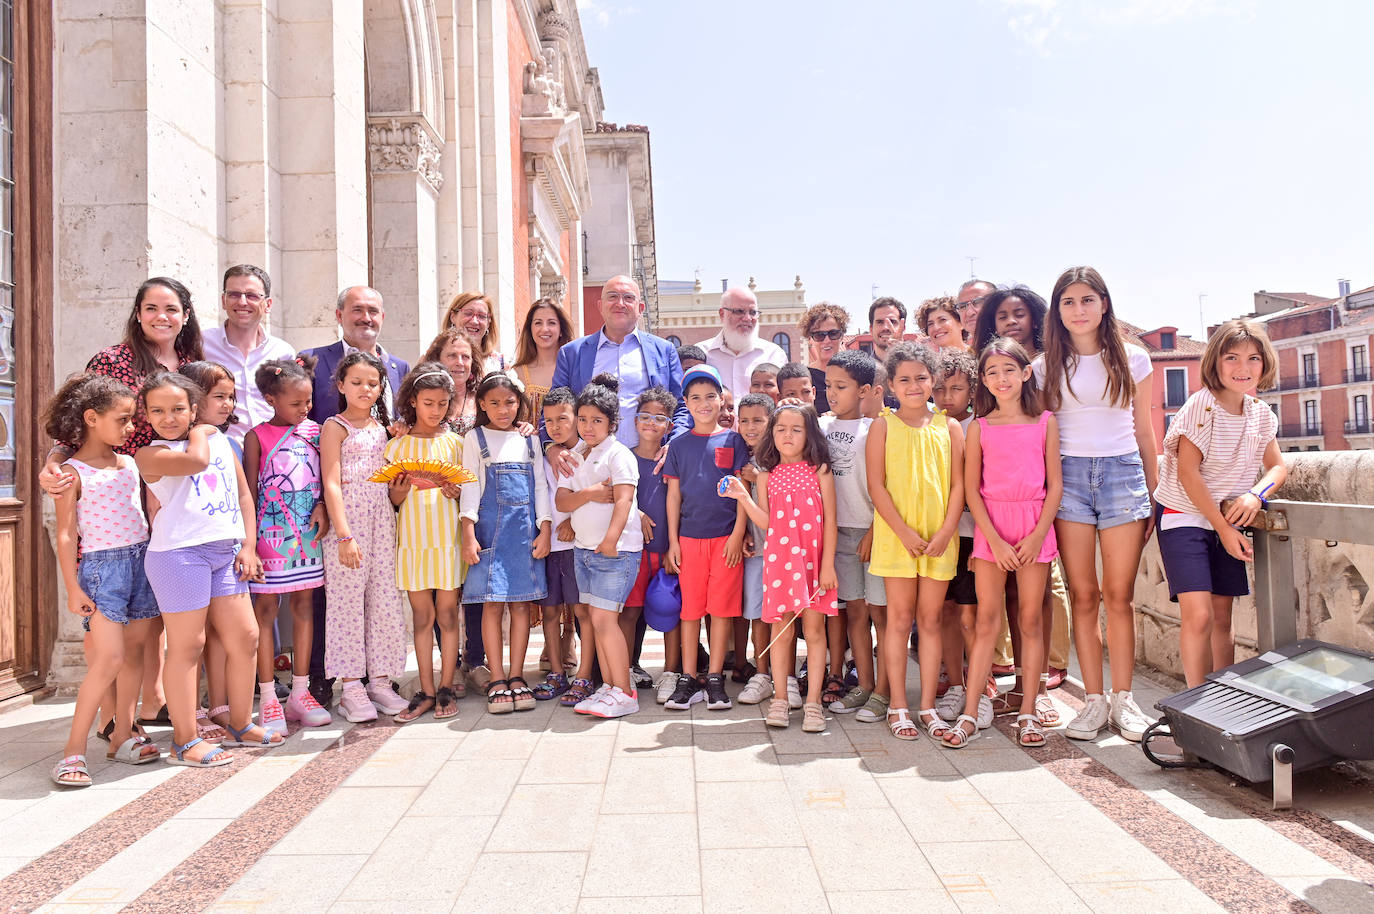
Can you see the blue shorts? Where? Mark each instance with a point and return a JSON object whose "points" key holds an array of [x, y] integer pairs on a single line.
{"points": [[1195, 560], [562, 580], [188, 578], [114, 579], [605, 582], [753, 587], [1104, 491]]}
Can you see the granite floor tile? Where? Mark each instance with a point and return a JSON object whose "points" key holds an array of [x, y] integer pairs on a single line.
{"points": [[731, 881], [999, 876], [887, 857], [476, 787], [1177, 896], [944, 809], [1082, 845], [273, 885], [894, 901], [1331, 895], [648, 785], [352, 820], [424, 859], [402, 763], [827, 782], [741, 757], [550, 817], [495, 741], [1249, 839], [648, 904], [656, 737], [745, 814], [545, 882], [623, 838], [580, 758]]}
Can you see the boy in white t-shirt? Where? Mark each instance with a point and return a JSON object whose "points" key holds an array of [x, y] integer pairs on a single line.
{"points": [[848, 383]]}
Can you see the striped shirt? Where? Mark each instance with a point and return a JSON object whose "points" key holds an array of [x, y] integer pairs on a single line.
{"points": [[427, 530], [1232, 453]]}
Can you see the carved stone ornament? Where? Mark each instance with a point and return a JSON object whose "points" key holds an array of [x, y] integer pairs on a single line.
{"points": [[553, 288], [544, 95], [402, 147], [554, 26], [536, 248]]}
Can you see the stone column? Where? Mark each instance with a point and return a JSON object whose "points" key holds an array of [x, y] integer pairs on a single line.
{"points": [[406, 179], [323, 156], [469, 161], [497, 188]]}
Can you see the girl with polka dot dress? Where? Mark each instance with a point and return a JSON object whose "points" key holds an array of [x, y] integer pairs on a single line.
{"points": [[797, 505]]}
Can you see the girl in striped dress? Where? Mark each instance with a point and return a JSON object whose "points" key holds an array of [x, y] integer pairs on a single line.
{"points": [[428, 535]]}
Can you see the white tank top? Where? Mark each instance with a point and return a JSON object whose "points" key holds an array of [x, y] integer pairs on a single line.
{"points": [[109, 513], [201, 508]]}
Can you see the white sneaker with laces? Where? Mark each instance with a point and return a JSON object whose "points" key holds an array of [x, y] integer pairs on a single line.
{"points": [[794, 695], [355, 706], [271, 717], [1127, 717], [951, 704], [385, 698], [667, 682], [756, 690], [1090, 720]]}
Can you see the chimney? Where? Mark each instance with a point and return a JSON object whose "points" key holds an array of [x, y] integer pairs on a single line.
{"points": [[724, 285], [1343, 287]]}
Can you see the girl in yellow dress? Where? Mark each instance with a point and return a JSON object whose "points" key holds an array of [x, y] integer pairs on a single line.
{"points": [[427, 535], [915, 459]]}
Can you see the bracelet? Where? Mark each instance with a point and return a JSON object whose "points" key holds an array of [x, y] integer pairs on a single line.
{"points": [[1264, 505], [343, 539]]}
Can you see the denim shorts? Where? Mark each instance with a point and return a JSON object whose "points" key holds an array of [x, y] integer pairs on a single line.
{"points": [[1104, 491], [605, 582], [562, 580], [855, 581], [753, 587], [189, 577], [114, 579]]}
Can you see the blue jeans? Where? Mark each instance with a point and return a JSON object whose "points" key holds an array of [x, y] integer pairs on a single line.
{"points": [[1104, 491], [115, 581], [605, 582]]}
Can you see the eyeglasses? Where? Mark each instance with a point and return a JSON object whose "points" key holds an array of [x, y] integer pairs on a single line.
{"points": [[820, 335], [482, 316], [655, 418], [252, 298], [628, 298], [743, 312], [971, 303]]}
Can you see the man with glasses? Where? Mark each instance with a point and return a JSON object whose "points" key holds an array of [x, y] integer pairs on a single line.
{"points": [[243, 343], [639, 359], [970, 300], [737, 350]]}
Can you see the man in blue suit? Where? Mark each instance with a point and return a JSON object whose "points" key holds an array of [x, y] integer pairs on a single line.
{"points": [[360, 314], [639, 359]]}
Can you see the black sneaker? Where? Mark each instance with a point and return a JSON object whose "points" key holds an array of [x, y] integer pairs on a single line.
{"points": [[282, 690], [716, 699], [322, 690], [851, 675], [639, 678], [687, 693]]}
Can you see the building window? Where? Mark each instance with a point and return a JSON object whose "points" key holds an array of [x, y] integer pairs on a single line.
{"points": [[1175, 387], [1359, 363], [675, 340], [1359, 424], [1311, 425], [1168, 420], [1309, 369], [783, 342], [1166, 339]]}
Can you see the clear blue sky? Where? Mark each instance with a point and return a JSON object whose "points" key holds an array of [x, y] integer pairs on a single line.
{"points": [[1180, 146]]}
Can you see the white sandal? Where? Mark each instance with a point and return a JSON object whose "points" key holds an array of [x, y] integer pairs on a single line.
{"points": [[1045, 710], [935, 727], [1031, 726], [961, 736], [903, 727], [130, 752], [72, 764]]}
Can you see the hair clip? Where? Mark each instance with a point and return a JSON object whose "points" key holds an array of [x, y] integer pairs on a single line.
{"points": [[277, 369]]}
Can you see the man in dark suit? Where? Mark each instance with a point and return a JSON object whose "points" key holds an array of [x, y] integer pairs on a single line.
{"points": [[639, 359], [360, 314]]}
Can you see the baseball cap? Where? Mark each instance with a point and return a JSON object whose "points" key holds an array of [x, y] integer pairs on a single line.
{"points": [[702, 373]]}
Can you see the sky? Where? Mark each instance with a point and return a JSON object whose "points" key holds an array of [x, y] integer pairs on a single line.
{"points": [[1182, 147]]}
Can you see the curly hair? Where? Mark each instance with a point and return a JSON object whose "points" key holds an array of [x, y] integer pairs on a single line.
{"points": [[912, 352], [602, 395], [274, 373], [424, 376], [357, 357], [64, 418], [660, 395], [819, 312], [938, 303]]}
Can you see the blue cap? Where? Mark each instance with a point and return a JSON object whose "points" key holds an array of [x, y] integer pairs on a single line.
{"points": [[700, 373], [663, 602]]}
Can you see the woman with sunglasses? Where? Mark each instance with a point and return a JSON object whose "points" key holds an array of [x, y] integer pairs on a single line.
{"points": [[823, 326]]}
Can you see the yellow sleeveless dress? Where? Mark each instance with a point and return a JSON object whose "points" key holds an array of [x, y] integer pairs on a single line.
{"points": [[917, 470]]}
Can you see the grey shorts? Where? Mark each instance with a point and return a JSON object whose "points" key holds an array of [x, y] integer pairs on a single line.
{"points": [[855, 581], [753, 587]]}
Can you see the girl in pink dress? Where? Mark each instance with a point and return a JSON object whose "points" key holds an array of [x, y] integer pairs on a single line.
{"points": [[797, 505], [1013, 449]]}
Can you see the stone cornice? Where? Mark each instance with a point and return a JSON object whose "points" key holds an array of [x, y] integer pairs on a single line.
{"points": [[399, 144]]}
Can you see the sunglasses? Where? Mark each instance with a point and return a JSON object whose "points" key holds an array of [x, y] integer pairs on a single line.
{"points": [[819, 335]]}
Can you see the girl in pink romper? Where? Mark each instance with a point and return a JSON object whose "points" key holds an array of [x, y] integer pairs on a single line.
{"points": [[797, 505], [1013, 450]]}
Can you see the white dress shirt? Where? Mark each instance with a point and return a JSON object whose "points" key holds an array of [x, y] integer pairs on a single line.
{"points": [[736, 367], [250, 405]]}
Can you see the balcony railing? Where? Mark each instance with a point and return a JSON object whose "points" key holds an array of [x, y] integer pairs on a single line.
{"points": [[1357, 427], [1351, 375], [1301, 430], [1301, 381]]}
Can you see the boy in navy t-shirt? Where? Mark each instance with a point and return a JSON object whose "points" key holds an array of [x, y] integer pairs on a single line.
{"points": [[653, 424], [705, 536]]}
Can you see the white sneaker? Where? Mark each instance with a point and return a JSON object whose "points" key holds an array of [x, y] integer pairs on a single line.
{"points": [[667, 681], [950, 705], [271, 717], [611, 703], [756, 690], [1090, 720], [593, 701], [794, 695], [984, 712], [355, 706], [1127, 717], [385, 698]]}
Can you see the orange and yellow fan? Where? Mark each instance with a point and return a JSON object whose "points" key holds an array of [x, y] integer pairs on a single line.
{"points": [[424, 473]]}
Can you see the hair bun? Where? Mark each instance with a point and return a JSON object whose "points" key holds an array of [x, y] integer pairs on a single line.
{"points": [[608, 381]]}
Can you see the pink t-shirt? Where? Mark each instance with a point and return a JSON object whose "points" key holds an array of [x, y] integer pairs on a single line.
{"points": [[109, 513]]}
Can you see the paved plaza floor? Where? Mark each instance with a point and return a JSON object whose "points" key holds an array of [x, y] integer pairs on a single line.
{"points": [[546, 811]]}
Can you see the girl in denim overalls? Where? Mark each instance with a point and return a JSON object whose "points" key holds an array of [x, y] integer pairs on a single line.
{"points": [[506, 529]]}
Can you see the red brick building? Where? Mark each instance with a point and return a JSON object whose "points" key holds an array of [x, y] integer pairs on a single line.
{"points": [[1177, 361]]}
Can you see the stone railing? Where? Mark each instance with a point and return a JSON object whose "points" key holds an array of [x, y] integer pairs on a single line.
{"points": [[1329, 574]]}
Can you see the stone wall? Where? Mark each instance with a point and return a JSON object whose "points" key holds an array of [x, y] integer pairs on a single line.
{"points": [[1331, 576]]}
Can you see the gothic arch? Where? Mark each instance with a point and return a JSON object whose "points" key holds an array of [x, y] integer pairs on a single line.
{"points": [[401, 47]]}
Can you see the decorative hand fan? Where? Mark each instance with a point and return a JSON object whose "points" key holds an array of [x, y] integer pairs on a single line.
{"points": [[424, 473]]}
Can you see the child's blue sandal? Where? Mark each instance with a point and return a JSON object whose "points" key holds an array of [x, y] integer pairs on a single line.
{"points": [[212, 759], [554, 684], [235, 738]]}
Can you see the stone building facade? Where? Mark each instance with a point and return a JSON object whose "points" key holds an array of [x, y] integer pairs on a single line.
{"points": [[424, 147]]}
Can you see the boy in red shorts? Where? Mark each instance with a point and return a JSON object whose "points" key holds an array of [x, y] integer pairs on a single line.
{"points": [[705, 536]]}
